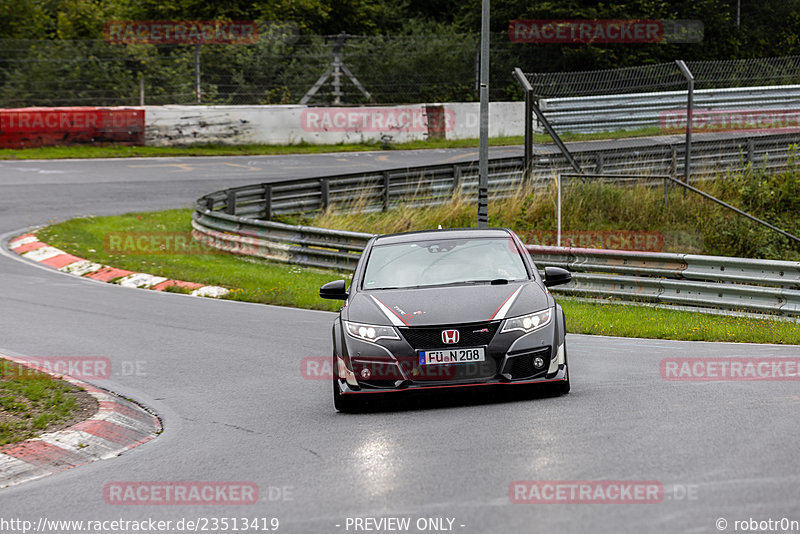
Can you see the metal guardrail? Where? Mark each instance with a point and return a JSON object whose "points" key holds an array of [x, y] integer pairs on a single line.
{"points": [[711, 154], [301, 245], [590, 114], [760, 286], [437, 184], [368, 191], [235, 220]]}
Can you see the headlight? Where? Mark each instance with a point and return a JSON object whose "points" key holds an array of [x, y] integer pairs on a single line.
{"points": [[368, 332], [528, 323]]}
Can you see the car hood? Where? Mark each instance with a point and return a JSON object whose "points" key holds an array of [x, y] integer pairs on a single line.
{"points": [[445, 305]]}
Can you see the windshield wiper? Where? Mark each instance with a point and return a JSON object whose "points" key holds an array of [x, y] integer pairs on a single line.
{"points": [[495, 282]]}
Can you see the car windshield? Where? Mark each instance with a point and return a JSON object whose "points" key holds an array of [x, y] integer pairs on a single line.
{"points": [[443, 262]]}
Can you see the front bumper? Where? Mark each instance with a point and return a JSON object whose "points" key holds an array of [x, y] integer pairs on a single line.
{"points": [[346, 388], [510, 359]]}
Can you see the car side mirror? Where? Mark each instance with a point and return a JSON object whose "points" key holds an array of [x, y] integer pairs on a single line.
{"points": [[334, 290], [555, 276]]}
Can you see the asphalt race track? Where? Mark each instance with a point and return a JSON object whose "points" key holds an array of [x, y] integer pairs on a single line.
{"points": [[225, 379]]}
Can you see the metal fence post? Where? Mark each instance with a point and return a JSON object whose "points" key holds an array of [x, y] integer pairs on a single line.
{"points": [[689, 116], [230, 202], [325, 188], [197, 73], [483, 141], [558, 211], [751, 152], [456, 179], [528, 133], [674, 160], [385, 191], [267, 202], [528, 150]]}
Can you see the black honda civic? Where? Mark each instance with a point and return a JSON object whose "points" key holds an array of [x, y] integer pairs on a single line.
{"points": [[446, 309]]}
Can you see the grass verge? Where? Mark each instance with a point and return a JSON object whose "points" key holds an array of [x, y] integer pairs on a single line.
{"points": [[121, 151], [254, 280], [658, 323], [32, 402], [249, 279]]}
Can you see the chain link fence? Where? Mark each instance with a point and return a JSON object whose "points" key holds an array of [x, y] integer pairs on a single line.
{"points": [[744, 113], [667, 77], [278, 69]]}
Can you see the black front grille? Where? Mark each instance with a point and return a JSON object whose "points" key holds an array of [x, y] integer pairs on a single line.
{"points": [[521, 366], [471, 335]]}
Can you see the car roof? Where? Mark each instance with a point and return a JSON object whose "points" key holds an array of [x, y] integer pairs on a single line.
{"points": [[436, 235]]}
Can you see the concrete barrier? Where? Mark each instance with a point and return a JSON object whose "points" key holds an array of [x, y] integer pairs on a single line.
{"points": [[291, 124], [237, 125], [31, 127]]}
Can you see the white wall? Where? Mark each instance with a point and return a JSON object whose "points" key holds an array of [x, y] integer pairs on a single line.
{"points": [[282, 125], [505, 119]]}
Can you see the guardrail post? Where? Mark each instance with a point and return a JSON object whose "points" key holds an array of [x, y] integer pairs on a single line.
{"points": [[673, 166], [666, 197], [751, 151], [209, 204], [325, 187], [456, 179], [267, 202], [385, 191], [230, 203], [598, 163]]}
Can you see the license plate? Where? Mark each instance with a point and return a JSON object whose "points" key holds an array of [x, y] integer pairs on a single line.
{"points": [[437, 357]]}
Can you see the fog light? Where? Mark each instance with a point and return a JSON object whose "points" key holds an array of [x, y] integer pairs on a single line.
{"points": [[365, 373], [538, 363]]}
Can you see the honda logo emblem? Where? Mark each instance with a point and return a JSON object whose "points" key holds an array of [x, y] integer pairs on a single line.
{"points": [[450, 336]]}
